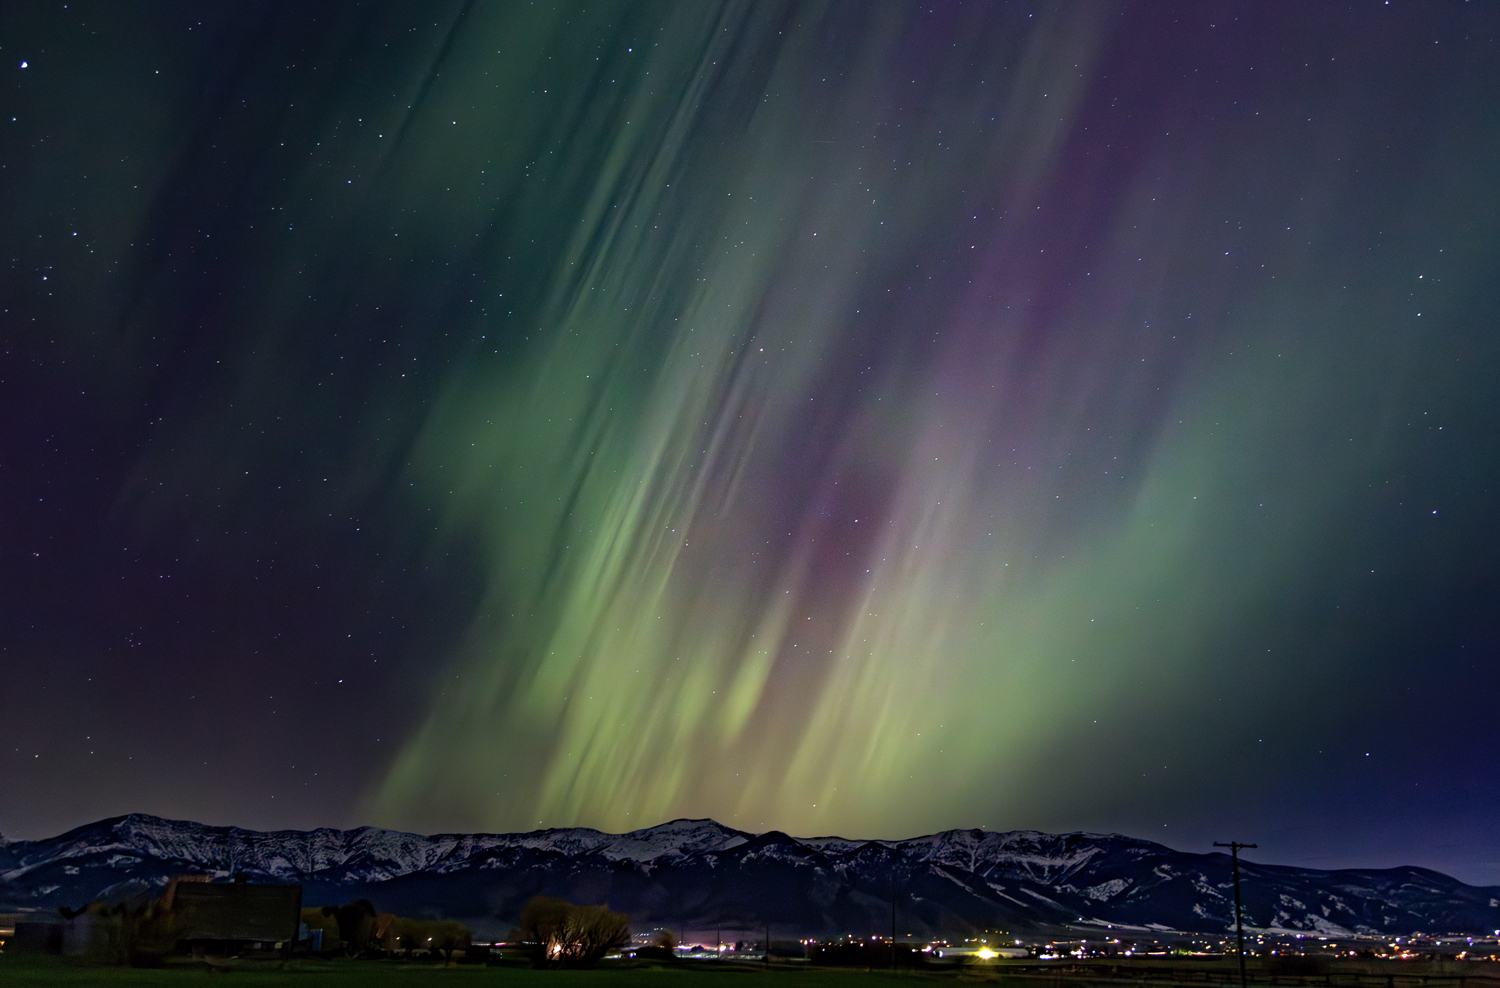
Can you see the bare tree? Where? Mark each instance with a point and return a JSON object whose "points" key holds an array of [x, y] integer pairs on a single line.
{"points": [[565, 935]]}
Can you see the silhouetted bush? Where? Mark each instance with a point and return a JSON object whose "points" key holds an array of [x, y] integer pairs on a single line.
{"points": [[565, 935], [145, 933], [356, 922], [656, 952]]}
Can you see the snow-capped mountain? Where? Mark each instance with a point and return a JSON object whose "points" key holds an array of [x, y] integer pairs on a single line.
{"points": [[699, 872]]}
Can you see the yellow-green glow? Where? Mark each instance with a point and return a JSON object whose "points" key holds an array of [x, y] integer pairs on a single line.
{"points": [[687, 614]]}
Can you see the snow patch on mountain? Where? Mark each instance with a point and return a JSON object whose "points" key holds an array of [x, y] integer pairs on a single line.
{"points": [[1105, 891]]}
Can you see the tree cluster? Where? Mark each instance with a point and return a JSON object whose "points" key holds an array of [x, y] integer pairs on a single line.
{"points": [[564, 935], [362, 930], [141, 932]]}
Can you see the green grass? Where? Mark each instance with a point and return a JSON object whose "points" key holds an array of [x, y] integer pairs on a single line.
{"points": [[44, 972]]}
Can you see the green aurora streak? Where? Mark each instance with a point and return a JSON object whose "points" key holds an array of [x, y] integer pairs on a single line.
{"points": [[813, 503]]}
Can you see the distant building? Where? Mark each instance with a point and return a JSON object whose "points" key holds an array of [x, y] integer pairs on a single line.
{"points": [[310, 937], [85, 935], [222, 918], [238, 915], [8, 923]]}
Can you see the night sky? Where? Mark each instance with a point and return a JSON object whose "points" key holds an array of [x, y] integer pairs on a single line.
{"points": [[836, 417]]}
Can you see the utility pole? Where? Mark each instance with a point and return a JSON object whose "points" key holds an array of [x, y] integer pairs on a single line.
{"points": [[893, 919], [1239, 926]]}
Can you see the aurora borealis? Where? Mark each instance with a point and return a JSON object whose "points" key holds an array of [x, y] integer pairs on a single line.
{"points": [[860, 418]]}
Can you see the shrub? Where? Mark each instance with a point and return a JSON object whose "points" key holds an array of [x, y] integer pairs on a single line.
{"points": [[356, 923], [565, 935]]}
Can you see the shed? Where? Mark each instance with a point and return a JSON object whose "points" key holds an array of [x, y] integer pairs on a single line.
{"points": [[238, 912]]}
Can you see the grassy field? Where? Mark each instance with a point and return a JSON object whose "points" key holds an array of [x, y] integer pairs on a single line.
{"points": [[30, 971], [37, 972]]}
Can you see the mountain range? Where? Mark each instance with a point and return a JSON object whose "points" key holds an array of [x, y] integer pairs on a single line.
{"points": [[698, 873]]}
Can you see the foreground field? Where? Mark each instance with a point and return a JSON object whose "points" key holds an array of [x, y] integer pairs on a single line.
{"points": [[20, 972], [53, 972]]}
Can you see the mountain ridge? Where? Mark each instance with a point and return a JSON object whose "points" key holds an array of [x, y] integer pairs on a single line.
{"points": [[698, 871]]}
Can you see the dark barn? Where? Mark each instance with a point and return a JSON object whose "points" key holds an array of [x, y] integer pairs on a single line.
{"points": [[238, 915]]}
